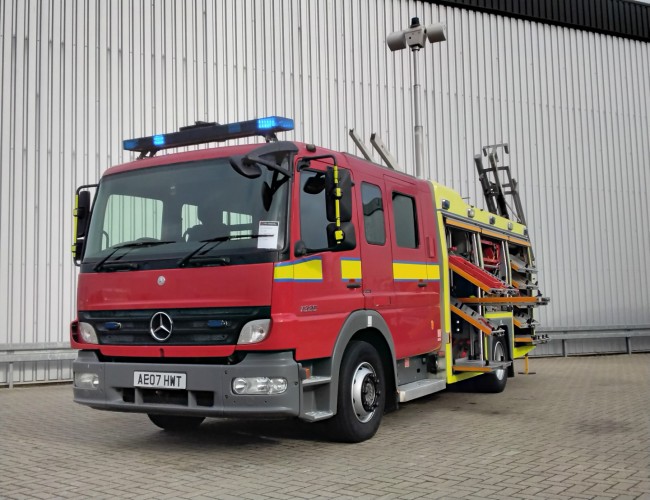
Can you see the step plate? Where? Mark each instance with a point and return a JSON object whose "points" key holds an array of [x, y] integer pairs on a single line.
{"points": [[314, 416], [414, 390]]}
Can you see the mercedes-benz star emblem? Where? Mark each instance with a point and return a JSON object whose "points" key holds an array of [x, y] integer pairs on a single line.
{"points": [[161, 326]]}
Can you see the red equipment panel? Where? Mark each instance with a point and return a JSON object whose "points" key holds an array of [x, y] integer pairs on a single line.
{"points": [[475, 274]]}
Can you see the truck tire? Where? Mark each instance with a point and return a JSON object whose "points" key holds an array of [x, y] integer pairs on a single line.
{"points": [[496, 381], [361, 394], [175, 423]]}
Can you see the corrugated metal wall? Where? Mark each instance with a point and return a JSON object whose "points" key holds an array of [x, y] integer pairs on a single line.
{"points": [[77, 77]]}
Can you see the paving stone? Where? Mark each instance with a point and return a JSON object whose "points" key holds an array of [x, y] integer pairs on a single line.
{"points": [[579, 428]]}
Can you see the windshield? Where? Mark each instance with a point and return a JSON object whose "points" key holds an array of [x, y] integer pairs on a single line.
{"points": [[195, 213]]}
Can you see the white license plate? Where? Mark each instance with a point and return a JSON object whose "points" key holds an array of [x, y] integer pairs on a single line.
{"points": [[159, 380]]}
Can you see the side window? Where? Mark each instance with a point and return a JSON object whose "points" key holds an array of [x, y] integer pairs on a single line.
{"points": [[313, 215], [373, 214], [406, 224], [129, 218]]}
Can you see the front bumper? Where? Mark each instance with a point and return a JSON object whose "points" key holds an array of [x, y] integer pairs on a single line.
{"points": [[208, 390]]}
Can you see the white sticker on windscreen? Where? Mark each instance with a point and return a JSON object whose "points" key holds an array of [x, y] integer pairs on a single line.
{"points": [[268, 234]]}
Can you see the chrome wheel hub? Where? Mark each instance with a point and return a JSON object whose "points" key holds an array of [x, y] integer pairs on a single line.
{"points": [[365, 392], [500, 356]]}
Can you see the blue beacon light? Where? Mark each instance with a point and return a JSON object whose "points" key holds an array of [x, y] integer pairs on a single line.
{"points": [[274, 122]]}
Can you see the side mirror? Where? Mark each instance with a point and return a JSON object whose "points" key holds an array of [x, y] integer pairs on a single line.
{"points": [[341, 238], [81, 216], [338, 191]]}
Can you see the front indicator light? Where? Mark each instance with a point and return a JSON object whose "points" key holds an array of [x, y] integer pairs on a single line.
{"points": [[86, 380], [259, 385], [254, 331], [87, 333]]}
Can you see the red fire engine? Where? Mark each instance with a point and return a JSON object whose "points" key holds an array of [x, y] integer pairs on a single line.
{"points": [[283, 279]]}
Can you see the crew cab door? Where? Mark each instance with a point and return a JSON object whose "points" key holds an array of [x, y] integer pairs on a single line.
{"points": [[415, 315], [376, 248]]}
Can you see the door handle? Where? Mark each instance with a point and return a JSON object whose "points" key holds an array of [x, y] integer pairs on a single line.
{"points": [[422, 284], [354, 285]]}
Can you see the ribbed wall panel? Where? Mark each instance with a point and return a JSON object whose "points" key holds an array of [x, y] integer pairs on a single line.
{"points": [[77, 77]]}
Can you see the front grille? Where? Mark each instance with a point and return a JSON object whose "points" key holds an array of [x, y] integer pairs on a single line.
{"points": [[204, 326]]}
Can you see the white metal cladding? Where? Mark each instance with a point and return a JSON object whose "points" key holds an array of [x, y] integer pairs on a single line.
{"points": [[77, 77]]}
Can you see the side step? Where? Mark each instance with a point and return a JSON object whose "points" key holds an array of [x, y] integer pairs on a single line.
{"points": [[314, 416], [414, 390], [479, 366], [316, 380]]}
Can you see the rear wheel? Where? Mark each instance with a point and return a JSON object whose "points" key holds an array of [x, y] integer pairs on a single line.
{"points": [[496, 381], [361, 394], [175, 423]]}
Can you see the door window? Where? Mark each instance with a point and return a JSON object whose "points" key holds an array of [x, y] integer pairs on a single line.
{"points": [[313, 213], [405, 223], [373, 214]]}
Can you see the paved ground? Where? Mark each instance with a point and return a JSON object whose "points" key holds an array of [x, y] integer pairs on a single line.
{"points": [[579, 428]]}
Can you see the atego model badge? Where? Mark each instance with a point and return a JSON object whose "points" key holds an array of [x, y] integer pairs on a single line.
{"points": [[161, 326]]}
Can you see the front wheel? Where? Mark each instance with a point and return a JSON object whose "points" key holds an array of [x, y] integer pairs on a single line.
{"points": [[361, 394], [175, 423]]}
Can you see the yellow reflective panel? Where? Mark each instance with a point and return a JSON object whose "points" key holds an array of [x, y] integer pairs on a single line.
{"points": [[350, 268], [310, 269], [409, 271]]}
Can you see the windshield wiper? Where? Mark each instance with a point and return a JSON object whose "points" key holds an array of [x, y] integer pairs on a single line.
{"points": [[216, 240], [103, 264]]}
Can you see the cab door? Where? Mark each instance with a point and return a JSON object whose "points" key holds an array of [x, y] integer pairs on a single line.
{"points": [[317, 286], [416, 290]]}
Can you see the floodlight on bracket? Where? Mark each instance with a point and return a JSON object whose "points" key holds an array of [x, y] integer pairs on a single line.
{"points": [[415, 38]]}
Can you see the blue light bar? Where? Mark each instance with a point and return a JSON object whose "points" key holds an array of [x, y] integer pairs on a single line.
{"points": [[202, 133], [273, 122]]}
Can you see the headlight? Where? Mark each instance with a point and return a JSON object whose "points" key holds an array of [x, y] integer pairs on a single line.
{"points": [[87, 333], [254, 331], [86, 380], [259, 385]]}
